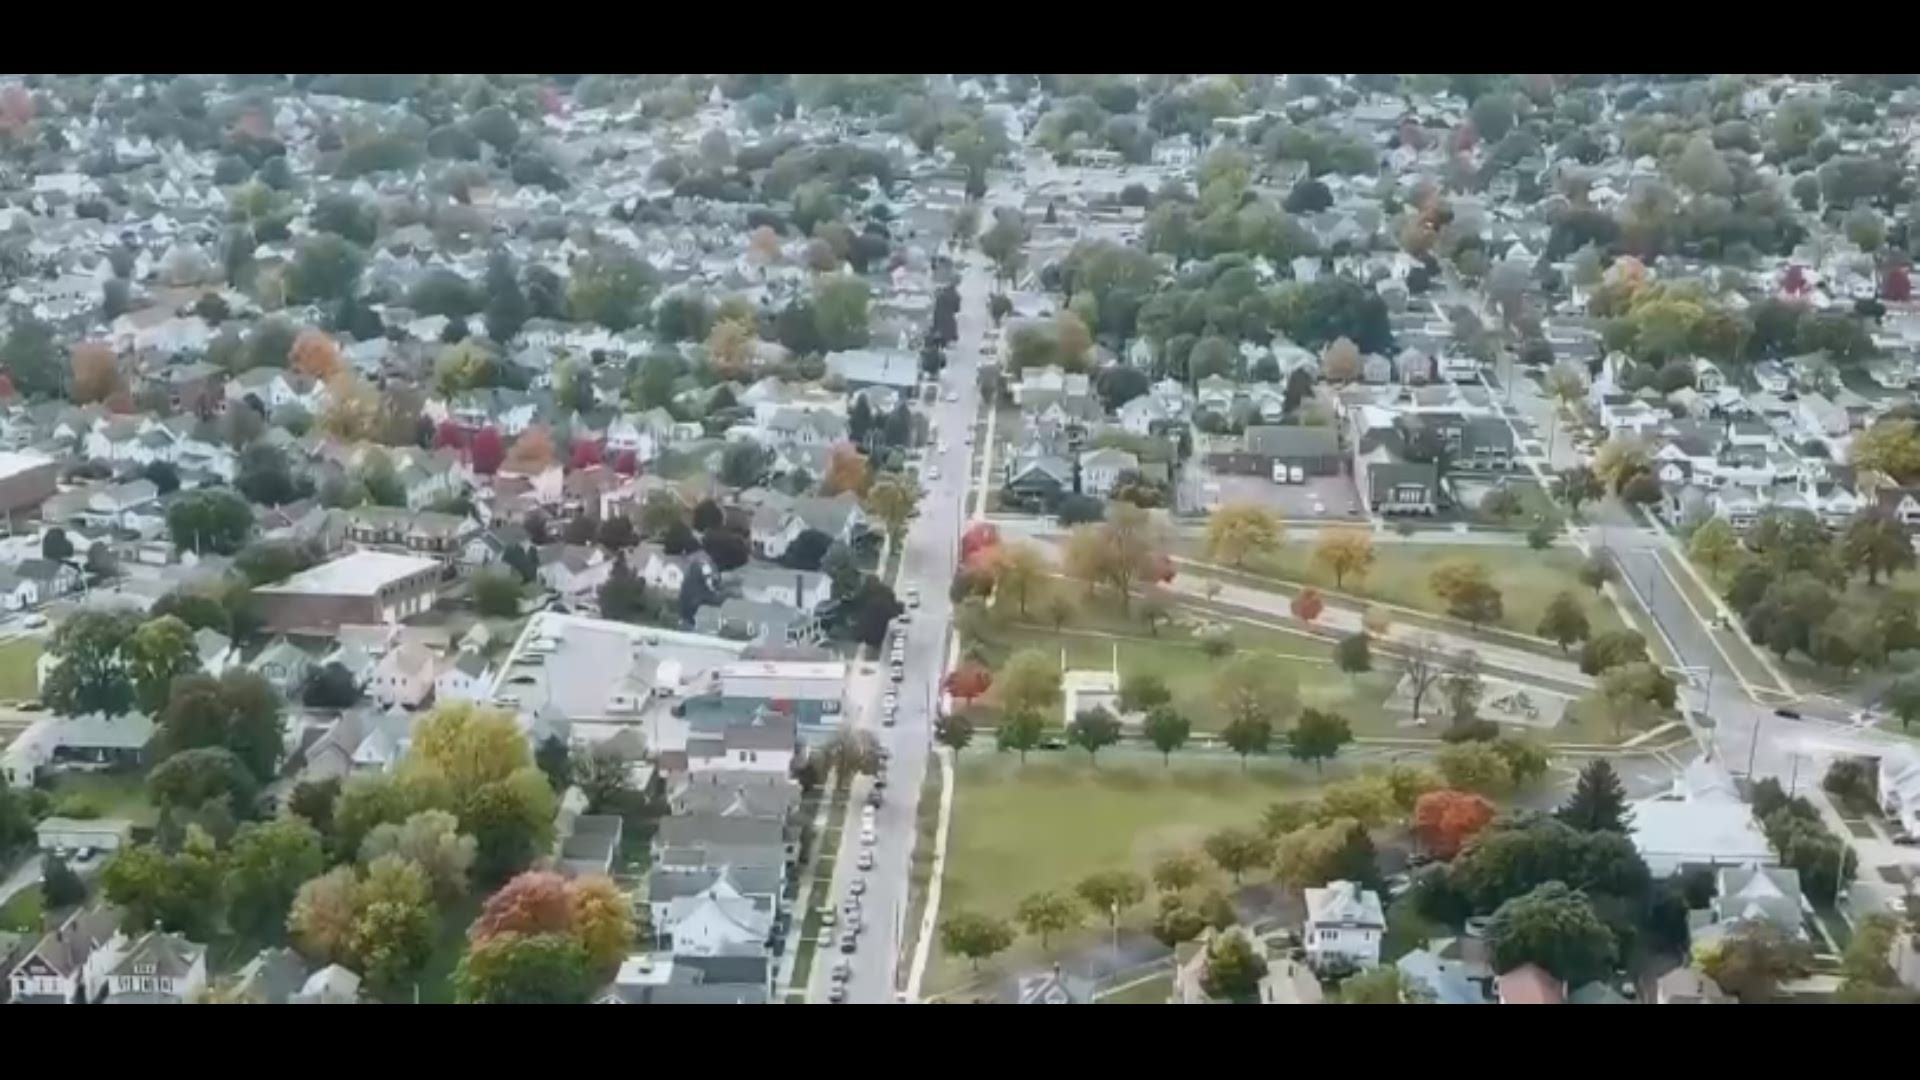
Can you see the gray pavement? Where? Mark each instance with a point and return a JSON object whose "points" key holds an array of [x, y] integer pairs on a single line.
{"points": [[928, 557]]}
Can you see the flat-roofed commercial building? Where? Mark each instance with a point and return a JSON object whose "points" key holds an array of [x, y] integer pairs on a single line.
{"points": [[363, 587]]}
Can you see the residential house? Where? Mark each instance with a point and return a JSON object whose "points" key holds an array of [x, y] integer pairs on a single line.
{"points": [[759, 887], [806, 590], [54, 971], [1053, 390], [1898, 781], [1287, 982], [50, 579], [1344, 926], [1101, 469], [715, 840], [92, 740], [285, 665], [575, 572], [404, 677], [1530, 984], [803, 427], [1040, 480], [858, 368], [1750, 894], [761, 623], [1689, 986], [155, 968], [1448, 971], [365, 740], [1707, 377], [1314, 450], [1700, 822], [413, 532], [467, 678]]}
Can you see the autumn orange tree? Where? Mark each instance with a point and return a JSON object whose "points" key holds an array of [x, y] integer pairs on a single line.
{"points": [[969, 681], [96, 372], [315, 355], [1445, 820], [532, 452], [1307, 605], [586, 918], [846, 471]]}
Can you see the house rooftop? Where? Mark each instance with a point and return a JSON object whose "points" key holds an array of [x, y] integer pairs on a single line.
{"points": [[362, 573]]}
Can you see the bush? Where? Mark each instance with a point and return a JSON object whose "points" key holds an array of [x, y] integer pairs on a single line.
{"points": [[76, 805]]}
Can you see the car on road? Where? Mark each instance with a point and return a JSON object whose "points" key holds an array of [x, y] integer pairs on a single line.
{"points": [[842, 969], [933, 472], [1787, 714], [899, 673], [867, 836], [865, 862], [891, 703], [858, 887], [874, 798], [837, 993], [866, 816], [953, 395], [849, 941], [913, 596], [34, 621], [827, 916]]}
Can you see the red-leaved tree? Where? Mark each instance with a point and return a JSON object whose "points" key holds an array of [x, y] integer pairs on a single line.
{"points": [[535, 902], [969, 681], [586, 453], [1897, 285], [1794, 281], [488, 451], [1445, 820], [980, 536], [626, 463], [1307, 605], [1163, 570], [449, 434]]}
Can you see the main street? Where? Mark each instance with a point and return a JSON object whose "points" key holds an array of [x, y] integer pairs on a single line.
{"points": [[928, 556]]}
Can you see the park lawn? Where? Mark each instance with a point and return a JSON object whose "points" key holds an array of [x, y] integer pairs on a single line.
{"points": [[1048, 824], [108, 794], [1154, 990], [17, 679], [1527, 579], [1535, 506], [23, 914], [1304, 662]]}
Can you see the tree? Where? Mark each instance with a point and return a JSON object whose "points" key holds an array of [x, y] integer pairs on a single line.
{"points": [[487, 452], [430, 840], [1876, 543], [1234, 969], [193, 778], [91, 676], [1167, 730], [497, 793], [874, 609], [1902, 698], [1344, 552], [178, 891], [744, 464], [1892, 447], [1045, 913], [1752, 959], [1563, 622], [32, 360], [1475, 767], [1612, 649], [1421, 668], [155, 654], [209, 521], [840, 311], [1445, 820], [1338, 849], [1176, 871], [1381, 986], [265, 868], [1093, 730], [1554, 927], [1468, 591], [1141, 691], [1307, 605], [1340, 361], [953, 732], [1238, 531], [1236, 850], [611, 287], [1111, 892], [1715, 546], [1598, 802], [239, 712], [1317, 736], [1019, 732], [96, 373], [55, 547], [1578, 484], [524, 969], [60, 887], [325, 267], [976, 937], [1353, 653], [1030, 682], [892, 501], [1020, 569], [728, 548]]}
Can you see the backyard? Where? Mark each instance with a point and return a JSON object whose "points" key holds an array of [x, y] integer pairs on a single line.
{"points": [[1045, 825], [17, 660], [23, 913], [103, 794]]}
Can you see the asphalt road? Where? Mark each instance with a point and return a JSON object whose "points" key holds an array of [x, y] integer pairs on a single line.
{"points": [[929, 554]]}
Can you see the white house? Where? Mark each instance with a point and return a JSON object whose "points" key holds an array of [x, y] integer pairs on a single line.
{"points": [[803, 589], [1900, 788], [466, 679], [1100, 469], [404, 676], [1344, 926], [153, 969]]}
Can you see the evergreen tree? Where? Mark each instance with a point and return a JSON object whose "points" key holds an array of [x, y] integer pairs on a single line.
{"points": [[1599, 802]]}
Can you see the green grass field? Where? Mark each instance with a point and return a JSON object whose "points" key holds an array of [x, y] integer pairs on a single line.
{"points": [[1527, 579], [24, 912], [109, 795], [17, 680], [1046, 825]]}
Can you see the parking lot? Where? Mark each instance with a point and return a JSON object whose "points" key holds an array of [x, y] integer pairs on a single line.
{"points": [[1324, 498]]}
